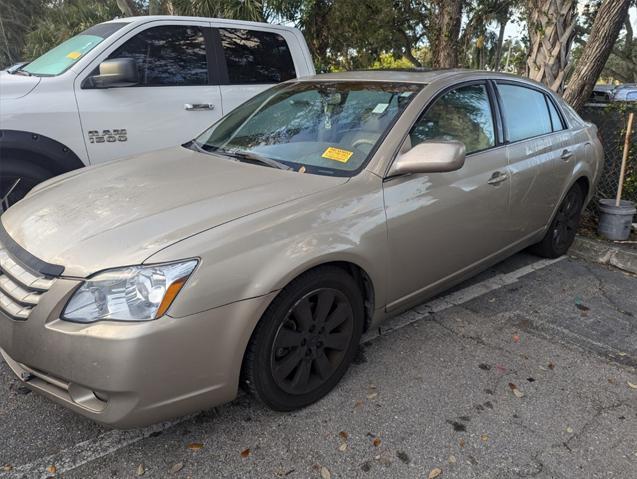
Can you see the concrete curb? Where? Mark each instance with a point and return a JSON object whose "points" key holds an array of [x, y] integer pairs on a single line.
{"points": [[604, 253]]}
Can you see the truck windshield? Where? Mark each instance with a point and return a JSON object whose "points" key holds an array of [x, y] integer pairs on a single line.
{"points": [[61, 58], [322, 127]]}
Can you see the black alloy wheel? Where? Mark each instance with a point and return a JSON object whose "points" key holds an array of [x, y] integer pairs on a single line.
{"points": [[305, 340], [312, 341], [561, 233]]}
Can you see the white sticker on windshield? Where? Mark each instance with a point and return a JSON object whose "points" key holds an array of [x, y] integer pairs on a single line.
{"points": [[380, 108]]}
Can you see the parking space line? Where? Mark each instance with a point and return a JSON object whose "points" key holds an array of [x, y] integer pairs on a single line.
{"points": [[112, 441]]}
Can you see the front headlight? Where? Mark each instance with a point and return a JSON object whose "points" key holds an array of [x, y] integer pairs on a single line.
{"points": [[136, 293]]}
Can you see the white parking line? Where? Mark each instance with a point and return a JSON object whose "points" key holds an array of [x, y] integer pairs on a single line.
{"points": [[112, 441]]}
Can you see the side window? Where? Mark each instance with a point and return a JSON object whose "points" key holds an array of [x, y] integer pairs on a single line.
{"points": [[168, 56], [556, 121], [256, 57], [525, 112], [463, 114]]}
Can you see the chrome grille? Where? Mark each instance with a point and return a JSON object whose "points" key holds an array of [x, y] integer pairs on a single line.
{"points": [[20, 289]]}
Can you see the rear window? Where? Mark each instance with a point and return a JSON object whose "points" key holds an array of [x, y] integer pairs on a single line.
{"points": [[525, 112], [255, 57], [59, 59]]}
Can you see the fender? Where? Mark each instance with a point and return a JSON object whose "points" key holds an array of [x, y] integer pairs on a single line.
{"points": [[42, 150]]}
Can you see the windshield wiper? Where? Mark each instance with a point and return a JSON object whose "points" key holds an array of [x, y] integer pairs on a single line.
{"points": [[251, 157]]}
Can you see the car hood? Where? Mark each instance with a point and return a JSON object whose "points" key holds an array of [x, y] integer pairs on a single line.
{"points": [[122, 212], [14, 86]]}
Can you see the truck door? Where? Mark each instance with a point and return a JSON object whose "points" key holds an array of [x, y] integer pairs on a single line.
{"points": [[177, 96]]}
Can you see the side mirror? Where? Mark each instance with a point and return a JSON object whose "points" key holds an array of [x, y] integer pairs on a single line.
{"points": [[430, 157], [117, 72]]}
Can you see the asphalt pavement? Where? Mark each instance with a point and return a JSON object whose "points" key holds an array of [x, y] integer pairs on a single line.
{"points": [[528, 370]]}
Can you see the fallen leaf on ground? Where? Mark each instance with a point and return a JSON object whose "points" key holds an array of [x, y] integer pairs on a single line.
{"points": [[177, 467], [461, 442], [484, 437], [7, 468], [622, 354], [141, 470], [452, 459], [516, 391], [500, 368], [358, 404], [435, 472], [581, 307], [569, 430], [372, 396], [343, 435], [245, 453], [325, 473], [376, 441], [631, 385], [195, 446], [551, 366], [342, 447], [516, 338], [51, 469]]}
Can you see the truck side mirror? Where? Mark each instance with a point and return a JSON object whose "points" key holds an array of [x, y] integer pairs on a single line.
{"points": [[117, 72]]}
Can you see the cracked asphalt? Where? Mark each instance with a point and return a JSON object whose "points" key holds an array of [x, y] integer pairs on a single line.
{"points": [[527, 380]]}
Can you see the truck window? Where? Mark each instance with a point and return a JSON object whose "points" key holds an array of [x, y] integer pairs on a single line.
{"points": [[256, 57], [171, 55]]}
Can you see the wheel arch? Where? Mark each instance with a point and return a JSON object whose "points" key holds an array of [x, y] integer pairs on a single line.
{"points": [[41, 150]]}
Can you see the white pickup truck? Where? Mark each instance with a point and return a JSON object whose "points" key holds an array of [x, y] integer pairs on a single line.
{"points": [[133, 85]]}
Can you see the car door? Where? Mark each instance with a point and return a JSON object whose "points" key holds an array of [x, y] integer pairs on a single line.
{"points": [[177, 96], [540, 154], [442, 224], [254, 60]]}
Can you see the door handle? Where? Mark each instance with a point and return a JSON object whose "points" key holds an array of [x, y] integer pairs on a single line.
{"points": [[497, 178], [566, 155], [198, 106]]}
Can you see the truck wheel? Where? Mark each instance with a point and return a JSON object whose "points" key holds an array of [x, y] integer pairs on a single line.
{"points": [[305, 340], [17, 178], [561, 233]]}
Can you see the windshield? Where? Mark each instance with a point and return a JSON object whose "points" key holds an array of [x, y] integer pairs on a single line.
{"points": [[325, 127], [62, 57]]}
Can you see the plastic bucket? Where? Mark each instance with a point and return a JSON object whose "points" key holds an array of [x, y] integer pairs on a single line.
{"points": [[615, 221]]}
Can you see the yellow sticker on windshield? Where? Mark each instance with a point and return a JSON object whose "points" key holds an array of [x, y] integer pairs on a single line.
{"points": [[74, 55], [337, 154]]}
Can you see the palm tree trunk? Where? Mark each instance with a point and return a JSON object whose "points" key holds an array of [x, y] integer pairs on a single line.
{"points": [[551, 31], [608, 22]]}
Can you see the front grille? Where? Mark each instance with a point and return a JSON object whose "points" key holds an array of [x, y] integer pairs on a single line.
{"points": [[20, 289]]}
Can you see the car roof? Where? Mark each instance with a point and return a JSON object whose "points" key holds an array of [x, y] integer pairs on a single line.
{"points": [[178, 18], [423, 76]]}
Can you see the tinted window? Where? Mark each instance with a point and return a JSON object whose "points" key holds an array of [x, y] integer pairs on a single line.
{"points": [[168, 55], [525, 112], [631, 96], [256, 57], [555, 117], [463, 114]]}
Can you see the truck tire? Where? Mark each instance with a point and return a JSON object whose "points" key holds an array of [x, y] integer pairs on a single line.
{"points": [[28, 174]]}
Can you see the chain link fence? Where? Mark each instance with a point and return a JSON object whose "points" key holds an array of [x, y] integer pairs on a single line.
{"points": [[611, 120]]}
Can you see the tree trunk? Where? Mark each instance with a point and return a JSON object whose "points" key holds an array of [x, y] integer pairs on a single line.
{"points": [[551, 31], [608, 22], [127, 7], [445, 30], [498, 48]]}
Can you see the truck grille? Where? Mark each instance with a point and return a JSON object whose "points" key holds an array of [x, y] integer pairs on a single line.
{"points": [[20, 289]]}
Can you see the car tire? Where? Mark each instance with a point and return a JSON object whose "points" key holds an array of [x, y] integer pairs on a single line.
{"points": [[561, 233], [29, 174], [306, 340]]}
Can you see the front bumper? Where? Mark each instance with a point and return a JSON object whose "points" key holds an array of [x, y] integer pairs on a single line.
{"points": [[130, 374]]}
